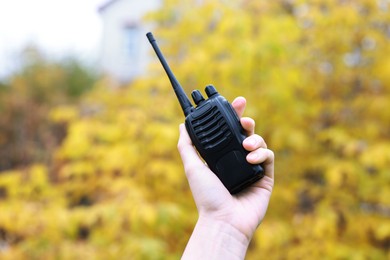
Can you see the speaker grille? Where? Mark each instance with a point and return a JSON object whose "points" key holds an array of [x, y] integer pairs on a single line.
{"points": [[211, 128]]}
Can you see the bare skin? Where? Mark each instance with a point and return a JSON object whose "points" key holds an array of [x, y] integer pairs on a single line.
{"points": [[226, 223]]}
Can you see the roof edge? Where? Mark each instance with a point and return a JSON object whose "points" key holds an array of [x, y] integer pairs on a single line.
{"points": [[104, 6]]}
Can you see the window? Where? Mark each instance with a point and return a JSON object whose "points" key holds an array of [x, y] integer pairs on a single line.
{"points": [[131, 42]]}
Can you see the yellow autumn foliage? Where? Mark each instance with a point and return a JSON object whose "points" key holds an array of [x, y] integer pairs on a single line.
{"points": [[316, 78]]}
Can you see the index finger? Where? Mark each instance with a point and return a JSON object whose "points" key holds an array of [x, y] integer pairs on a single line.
{"points": [[239, 105]]}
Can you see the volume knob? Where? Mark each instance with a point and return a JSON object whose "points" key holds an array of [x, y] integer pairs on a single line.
{"points": [[210, 90], [197, 96]]}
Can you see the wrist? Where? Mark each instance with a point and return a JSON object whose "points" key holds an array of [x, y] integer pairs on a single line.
{"points": [[216, 239]]}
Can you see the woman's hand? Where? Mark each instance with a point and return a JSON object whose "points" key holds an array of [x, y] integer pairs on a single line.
{"points": [[221, 213]]}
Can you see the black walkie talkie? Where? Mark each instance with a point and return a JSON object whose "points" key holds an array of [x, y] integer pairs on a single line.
{"points": [[216, 132]]}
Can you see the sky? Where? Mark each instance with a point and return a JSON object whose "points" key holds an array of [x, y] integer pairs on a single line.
{"points": [[58, 27]]}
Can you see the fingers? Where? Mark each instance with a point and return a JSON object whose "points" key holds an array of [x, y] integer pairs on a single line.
{"points": [[254, 142], [257, 147], [266, 157], [259, 154], [239, 105], [248, 124]]}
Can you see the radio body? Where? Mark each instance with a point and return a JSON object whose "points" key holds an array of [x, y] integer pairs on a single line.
{"points": [[216, 132]]}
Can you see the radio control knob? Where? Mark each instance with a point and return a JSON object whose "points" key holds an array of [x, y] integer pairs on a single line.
{"points": [[210, 90], [197, 96]]}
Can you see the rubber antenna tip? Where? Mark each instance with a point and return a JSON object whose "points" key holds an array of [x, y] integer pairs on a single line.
{"points": [[150, 37]]}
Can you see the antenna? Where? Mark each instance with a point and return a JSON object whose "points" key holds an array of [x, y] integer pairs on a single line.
{"points": [[181, 95]]}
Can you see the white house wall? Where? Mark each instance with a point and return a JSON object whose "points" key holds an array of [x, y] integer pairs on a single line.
{"points": [[114, 59]]}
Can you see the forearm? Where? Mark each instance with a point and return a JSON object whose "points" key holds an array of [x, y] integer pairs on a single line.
{"points": [[215, 240]]}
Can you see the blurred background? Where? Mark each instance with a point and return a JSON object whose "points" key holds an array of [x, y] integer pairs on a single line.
{"points": [[89, 123]]}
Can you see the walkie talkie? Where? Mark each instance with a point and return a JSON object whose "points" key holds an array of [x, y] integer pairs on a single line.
{"points": [[216, 132]]}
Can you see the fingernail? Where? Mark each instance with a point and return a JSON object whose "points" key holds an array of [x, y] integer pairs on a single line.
{"points": [[252, 157], [251, 141]]}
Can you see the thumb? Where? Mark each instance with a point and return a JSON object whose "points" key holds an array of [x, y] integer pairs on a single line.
{"points": [[206, 188], [188, 154]]}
